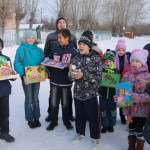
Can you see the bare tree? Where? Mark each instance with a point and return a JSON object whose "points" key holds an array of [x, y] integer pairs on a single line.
{"points": [[121, 13], [33, 8], [21, 9], [4, 9]]}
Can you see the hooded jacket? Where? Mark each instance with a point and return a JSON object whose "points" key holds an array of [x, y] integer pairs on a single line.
{"points": [[27, 55], [90, 64], [141, 99]]}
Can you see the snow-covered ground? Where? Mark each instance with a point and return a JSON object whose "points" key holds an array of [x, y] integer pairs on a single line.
{"points": [[59, 138]]}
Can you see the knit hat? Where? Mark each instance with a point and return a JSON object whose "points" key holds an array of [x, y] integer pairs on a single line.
{"points": [[58, 21], [109, 55], [86, 40], [121, 44], [140, 55], [1, 43], [28, 33]]}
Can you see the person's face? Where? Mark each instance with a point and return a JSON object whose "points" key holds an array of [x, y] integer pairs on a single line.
{"points": [[30, 39], [62, 40], [83, 48], [121, 52], [61, 24], [136, 64], [108, 62]]}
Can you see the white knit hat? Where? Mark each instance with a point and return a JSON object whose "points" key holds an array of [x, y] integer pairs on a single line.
{"points": [[140, 55]]}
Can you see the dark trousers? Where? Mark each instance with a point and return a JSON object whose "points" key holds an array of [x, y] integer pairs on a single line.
{"points": [[55, 100], [136, 128], [87, 110], [4, 114], [122, 116], [70, 102], [107, 111]]}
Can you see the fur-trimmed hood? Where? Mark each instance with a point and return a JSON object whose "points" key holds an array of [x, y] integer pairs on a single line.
{"points": [[23, 40]]}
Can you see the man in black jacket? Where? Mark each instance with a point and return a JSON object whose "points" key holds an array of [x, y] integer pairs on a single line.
{"points": [[52, 40]]}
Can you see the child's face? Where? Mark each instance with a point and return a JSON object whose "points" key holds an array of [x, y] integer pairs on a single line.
{"points": [[61, 24], [62, 40], [30, 39], [136, 64], [108, 62], [121, 52], [83, 48]]}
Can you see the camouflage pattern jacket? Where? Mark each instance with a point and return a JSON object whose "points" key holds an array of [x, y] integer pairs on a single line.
{"points": [[90, 64]]}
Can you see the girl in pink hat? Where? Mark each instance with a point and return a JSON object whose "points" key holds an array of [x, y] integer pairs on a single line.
{"points": [[121, 62]]}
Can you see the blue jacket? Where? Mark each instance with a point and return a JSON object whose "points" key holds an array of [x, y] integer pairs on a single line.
{"points": [[5, 86], [27, 55], [61, 53]]}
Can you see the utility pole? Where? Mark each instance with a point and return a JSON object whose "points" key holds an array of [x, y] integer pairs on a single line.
{"points": [[41, 14]]}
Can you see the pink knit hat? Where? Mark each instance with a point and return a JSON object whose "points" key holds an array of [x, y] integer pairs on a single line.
{"points": [[140, 55], [120, 44]]}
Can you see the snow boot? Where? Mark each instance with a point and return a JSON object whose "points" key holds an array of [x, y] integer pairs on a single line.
{"points": [[68, 125], [111, 129], [37, 123], [7, 137], [31, 124], [140, 144], [48, 118], [104, 129], [52, 125], [132, 142]]}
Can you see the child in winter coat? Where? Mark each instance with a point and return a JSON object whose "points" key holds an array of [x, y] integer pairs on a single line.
{"points": [[5, 91], [121, 62], [87, 75], [28, 54], [95, 45], [138, 113], [60, 83], [107, 104]]}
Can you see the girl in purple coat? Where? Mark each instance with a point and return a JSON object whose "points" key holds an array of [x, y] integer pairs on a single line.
{"points": [[138, 113]]}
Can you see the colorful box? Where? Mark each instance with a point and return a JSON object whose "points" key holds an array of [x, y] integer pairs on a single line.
{"points": [[124, 94], [35, 74], [53, 63]]}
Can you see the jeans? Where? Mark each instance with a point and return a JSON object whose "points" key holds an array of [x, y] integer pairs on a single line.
{"points": [[70, 102], [56, 91], [32, 108]]}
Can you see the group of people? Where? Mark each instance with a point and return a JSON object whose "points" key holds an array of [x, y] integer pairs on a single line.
{"points": [[87, 65]]}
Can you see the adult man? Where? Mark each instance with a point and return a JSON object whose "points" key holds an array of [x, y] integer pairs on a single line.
{"points": [[52, 40]]}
